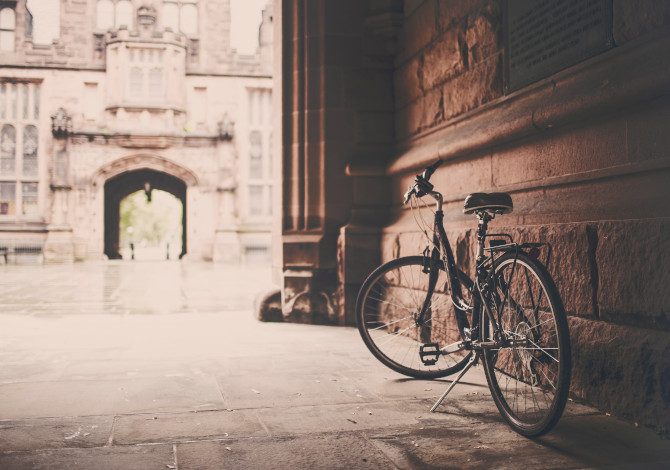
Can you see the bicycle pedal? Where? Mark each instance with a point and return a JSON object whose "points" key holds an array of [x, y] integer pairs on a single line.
{"points": [[429, 353]]}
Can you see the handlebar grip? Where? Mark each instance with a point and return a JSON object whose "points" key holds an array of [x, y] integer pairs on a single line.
{"points": [[428, 172], [408, 195]]}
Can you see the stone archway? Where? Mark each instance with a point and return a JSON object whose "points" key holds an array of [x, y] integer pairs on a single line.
{"points": [[126, 183], [124, 176]]}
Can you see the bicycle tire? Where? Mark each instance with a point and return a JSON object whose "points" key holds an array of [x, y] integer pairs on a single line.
{"points": [[540, 348], [421, 371]]}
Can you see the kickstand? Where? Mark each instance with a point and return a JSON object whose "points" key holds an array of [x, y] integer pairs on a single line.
{"points": [[471, 362]]}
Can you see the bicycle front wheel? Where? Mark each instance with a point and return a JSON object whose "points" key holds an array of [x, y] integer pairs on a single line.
{"points": [[529, 378], [387, 308]]}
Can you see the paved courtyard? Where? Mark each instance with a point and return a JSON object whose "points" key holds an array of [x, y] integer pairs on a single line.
{"points": [[160, 365]]}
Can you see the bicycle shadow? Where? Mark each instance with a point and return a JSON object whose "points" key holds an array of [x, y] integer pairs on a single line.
{"points": [[598, 440]]}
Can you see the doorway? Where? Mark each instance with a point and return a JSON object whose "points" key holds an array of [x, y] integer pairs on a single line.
{"points": [[129, 188]]}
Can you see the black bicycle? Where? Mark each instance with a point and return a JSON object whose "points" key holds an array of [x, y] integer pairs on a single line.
{"points": [[423, 317]]}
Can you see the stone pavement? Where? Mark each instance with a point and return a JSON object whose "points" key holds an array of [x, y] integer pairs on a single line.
{"points": [[161, 365]]}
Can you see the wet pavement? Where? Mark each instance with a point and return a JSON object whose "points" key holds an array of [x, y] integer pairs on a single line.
{"points": [[162, 365]]}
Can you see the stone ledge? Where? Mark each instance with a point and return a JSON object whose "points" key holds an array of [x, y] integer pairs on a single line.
{"points": [[610, 81]]}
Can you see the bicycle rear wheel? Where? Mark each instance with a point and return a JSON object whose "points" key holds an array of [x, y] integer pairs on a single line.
{"points": [[388, 304], [530, 378]]}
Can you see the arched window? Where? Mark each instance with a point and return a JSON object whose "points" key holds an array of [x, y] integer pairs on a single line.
{"points": [[124, 14], [30, 143], [170, 18], [7, 27], [189, 19], [105, 15], [7, 150], [46, 20]]}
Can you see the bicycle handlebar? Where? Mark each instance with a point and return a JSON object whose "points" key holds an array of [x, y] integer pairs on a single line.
{"points": [[421, 185], [428, 172]]}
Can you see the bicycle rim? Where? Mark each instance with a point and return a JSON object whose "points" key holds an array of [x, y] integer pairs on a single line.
{"points": [[387, 306], [529, 380]]}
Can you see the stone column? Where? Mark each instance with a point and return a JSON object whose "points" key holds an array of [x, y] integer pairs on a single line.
{"points": [[335, 80], [59, 245], [227, 245]]}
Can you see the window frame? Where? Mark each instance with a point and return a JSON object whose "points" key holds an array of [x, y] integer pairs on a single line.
{"points": [[259, 123], [180, 4], [5, 29], [147, 66], [19, 94]]}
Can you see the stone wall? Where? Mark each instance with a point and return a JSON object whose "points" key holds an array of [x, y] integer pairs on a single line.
{"points": [[584, 154]]}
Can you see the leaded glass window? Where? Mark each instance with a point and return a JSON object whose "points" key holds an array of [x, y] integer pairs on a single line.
{"points": [[19, 149], [29, 199], [7, 150], [30, 143]]}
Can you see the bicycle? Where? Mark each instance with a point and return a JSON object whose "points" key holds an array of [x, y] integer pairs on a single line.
{"points": [[423, 317]]}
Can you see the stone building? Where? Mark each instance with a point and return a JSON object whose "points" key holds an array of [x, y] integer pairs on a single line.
{"points": [[129, 95], [563, 104]]}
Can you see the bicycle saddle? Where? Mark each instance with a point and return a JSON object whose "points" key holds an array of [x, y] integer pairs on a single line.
{"points": [[500, 203]]}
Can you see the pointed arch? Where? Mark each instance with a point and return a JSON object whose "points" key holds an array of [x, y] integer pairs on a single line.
{"points": [[140, 162]]}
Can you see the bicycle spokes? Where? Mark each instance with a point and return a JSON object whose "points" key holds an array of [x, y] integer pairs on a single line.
{"points": [[527, 362]]}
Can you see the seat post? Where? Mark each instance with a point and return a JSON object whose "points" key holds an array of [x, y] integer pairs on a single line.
{"points": [[483, 218]]}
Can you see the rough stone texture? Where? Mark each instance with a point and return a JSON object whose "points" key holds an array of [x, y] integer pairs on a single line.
{"points": [[46, 433], [623, 370], [632, 259], [446, 64], [635, 19], [571, 254], [341, 451], [121, 458]]}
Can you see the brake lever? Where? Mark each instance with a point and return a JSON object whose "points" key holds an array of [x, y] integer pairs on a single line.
{"points": [[408, 195]]}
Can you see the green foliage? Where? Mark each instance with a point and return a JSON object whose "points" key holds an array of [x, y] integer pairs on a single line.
{"points": [[150, 223]]}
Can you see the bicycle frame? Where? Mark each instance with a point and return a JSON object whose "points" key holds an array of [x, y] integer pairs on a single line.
{"points": [[441, 240]]}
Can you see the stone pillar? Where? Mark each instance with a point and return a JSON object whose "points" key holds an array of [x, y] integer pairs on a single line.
{"points": [[227, 245], [227, 239], [59, 244], [330, 81], [309, 222]]}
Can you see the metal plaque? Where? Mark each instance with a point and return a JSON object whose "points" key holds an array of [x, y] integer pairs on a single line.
{"points": [[545, 36]]}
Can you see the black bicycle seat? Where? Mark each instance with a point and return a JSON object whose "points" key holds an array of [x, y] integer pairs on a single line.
{"points": [[500, 203]]}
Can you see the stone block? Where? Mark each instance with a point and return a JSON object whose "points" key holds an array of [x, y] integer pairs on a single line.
{"points": [[634, 19], [454, 13], [166, 427], [464, 177], [418, 30], [475, 87], [483, 36], [622, 370], [50, 433], [443, 60], [317, 451], [648, 131], [632, 258], [562, 152], [407, 85], [571, 261], [125, 457]]}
